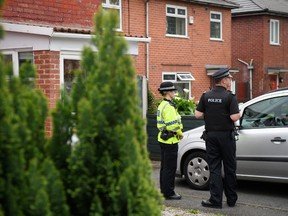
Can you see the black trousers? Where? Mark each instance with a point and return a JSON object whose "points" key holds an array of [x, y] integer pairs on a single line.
{"points": [[168, 167], [221, 148]]}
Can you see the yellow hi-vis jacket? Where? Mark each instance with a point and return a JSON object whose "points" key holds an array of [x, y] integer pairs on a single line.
{"points": [[169, 119]]}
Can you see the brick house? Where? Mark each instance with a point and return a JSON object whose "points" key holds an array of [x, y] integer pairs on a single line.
{"points": [[260, 46], [177, 40], [52, 34], [189, 41]]}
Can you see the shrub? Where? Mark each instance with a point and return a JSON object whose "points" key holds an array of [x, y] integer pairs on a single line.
{"points": [[185, 106], [25, 189], [109, 167]]}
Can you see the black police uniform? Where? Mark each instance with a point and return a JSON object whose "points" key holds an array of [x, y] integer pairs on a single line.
{"points": [[217, 105]]}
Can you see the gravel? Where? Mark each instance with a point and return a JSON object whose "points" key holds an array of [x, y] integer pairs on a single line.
{"points": [[170, 211]]}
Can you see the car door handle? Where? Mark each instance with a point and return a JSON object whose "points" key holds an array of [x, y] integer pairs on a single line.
{"points": [[278, 140]]}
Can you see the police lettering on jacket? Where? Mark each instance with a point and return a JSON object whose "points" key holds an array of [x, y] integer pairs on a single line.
{"points": [[214, 100]]}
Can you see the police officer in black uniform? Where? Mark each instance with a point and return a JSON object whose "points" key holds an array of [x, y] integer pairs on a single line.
{"points": [[220, 110]]}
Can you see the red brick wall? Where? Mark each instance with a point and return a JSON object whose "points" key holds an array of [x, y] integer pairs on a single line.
{"points": [[48, 71], [47, 64], [133, 12], [134, 24], [74, 13], [251, 40], [276, 55], [247, 44]]}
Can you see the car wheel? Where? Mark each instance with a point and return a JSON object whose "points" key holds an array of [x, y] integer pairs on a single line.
{"points": [[196, 171]]}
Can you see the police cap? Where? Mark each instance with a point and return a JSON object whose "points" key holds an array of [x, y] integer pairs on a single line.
{"points": [[167, 86], [224, 72]]}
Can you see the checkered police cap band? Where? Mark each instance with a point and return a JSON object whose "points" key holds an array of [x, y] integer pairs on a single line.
{"points": [[167, 86]]}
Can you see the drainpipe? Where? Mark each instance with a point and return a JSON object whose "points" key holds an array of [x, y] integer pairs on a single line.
{"points": [[250, 68], [147, 45]]}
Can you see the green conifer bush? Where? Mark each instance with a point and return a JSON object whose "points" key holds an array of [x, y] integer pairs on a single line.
{"points": [[25, 187], [110, 171]]}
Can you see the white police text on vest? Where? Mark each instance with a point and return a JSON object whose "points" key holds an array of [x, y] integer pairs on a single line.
{"points": [[214, 100]]}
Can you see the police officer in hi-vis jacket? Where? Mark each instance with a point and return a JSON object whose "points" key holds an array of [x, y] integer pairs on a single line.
{"points": [[220, 110], [170, 133]]}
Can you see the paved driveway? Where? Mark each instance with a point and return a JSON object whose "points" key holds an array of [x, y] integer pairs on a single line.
{"points": [[255, 199]]}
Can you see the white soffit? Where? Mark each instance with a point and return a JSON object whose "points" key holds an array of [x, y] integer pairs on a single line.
{"points": [[16, 41], [19, 36], [69, 41], [28, 29], [277, 70]]}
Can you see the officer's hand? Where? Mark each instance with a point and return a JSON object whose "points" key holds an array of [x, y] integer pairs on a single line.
{"points": [[179, 136]]}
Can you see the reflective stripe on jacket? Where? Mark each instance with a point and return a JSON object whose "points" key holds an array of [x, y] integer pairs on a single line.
{"points": [[169, 119]]}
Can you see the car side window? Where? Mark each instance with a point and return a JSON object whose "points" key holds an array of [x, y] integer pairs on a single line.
{"points": [[271, 112]]}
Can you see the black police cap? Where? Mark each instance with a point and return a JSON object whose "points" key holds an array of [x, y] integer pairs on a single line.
{"points": [[167, 86], [224, 72]]}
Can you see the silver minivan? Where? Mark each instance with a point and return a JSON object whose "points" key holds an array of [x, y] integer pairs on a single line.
{"points": [[262, 148]]}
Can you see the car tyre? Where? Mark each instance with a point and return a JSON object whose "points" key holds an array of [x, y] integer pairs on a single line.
{"points": [[196, 170]]}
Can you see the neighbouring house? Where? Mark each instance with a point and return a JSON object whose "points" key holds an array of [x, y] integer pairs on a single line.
{"points": [[189, 41], [260, 46], [183, 41]]}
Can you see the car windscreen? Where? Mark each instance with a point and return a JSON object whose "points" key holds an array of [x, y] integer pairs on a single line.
{"points": [[266, 113]]}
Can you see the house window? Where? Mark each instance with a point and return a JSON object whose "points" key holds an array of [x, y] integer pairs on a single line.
{"points": [[216, 25], [114, 5], [17, 58], [24, 57], [172, 77], [69, 64], [274, 31], [8, 58], [176, 20], [181, 80]]}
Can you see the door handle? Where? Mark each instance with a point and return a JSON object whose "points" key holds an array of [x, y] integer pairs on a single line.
{"points": [[278, 139]]}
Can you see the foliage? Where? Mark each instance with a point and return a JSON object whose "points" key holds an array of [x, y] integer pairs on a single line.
{"points": [[109, 171], [194, 211], [24, 187], [152, 103], [60, 145], [185, 106]]}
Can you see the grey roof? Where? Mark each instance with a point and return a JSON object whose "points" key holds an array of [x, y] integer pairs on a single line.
{"points": [[267, 6], [219, 3]]}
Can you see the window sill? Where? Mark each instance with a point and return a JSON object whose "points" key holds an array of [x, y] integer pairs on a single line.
{"points": [[275, 44], [215, 39], [177, 36]]}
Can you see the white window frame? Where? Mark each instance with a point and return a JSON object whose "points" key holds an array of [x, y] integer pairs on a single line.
{"points": [[177, 16], [179, 80], [185, 76], [174, 74], [70, 55], [216, 21], [15, 58], [109, 5], [274, 32]]}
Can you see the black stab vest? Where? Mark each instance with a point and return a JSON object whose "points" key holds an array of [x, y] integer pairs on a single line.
{"points": [[217, 110]]}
